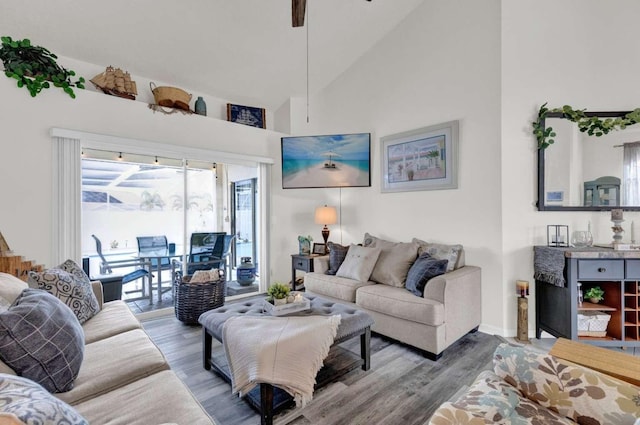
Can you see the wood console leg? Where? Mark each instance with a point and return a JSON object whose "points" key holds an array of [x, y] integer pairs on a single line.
{"points": [[206, 349], [266, 404], [365, 349]]}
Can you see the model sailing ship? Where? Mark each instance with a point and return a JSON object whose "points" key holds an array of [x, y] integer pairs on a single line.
{"points": [[116, 82]]}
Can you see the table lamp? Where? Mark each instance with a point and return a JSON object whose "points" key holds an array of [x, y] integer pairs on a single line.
{"points": [[326, 215]]}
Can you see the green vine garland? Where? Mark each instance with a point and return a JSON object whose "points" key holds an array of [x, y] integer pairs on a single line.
{"points": [[593, 126]]}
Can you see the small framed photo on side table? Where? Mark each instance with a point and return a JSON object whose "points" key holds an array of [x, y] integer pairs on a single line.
{"points": [[319, 248]]}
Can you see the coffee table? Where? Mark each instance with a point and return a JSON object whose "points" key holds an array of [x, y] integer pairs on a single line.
{"points": [[268, 399]]}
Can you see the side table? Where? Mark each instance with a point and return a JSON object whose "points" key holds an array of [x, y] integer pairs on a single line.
{"points": [[301, 262]]}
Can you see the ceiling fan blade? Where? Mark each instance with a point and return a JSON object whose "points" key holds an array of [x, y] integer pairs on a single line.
{"points": [[297, 12]]}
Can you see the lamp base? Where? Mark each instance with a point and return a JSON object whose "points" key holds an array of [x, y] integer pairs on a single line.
{"points": [[325, 236]]}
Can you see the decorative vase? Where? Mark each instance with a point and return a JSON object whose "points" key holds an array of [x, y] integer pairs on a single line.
{"points": [[279, 301], [594, 300], [201, 107]]}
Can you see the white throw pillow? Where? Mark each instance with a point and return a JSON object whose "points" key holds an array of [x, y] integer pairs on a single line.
{"points": [[359, 263], [394, 262]]}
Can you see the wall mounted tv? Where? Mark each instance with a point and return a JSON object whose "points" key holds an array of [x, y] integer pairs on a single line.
{"points": [[337, 160]]}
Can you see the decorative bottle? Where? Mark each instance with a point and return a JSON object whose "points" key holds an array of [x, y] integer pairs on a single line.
{"points": [[201, 107]]}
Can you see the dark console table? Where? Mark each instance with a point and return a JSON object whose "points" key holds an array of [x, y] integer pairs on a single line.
{"points": [[557, 306]]}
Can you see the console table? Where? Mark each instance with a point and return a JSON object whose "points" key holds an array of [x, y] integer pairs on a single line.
{"points": [[303, 263], [557, 306]]}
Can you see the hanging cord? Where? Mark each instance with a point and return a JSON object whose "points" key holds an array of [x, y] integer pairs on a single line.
{"points": [[307, 28], [340, 204]]}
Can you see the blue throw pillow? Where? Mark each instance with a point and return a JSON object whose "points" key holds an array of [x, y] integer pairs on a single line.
{"points": [[337, 254], [424, 268], [41, 339]]}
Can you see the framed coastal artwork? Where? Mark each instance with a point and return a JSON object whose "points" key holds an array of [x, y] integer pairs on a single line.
{"points": [[247, 115], [337, 160], [421, 159]]}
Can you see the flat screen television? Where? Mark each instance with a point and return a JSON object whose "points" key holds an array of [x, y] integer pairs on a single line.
{"points": [[336, 160]]}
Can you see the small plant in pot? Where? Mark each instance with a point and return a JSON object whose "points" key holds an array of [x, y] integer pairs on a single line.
{"points": [[35, 67], [278, 293], [595, 294]]}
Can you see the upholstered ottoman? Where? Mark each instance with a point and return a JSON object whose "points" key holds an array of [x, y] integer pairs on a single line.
{"points": [[353, 322]]}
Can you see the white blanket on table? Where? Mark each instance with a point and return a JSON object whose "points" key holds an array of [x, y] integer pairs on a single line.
{"points": [[286, 352]]}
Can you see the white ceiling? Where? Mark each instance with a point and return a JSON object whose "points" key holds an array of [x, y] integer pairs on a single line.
{"points": [[245, 51]]}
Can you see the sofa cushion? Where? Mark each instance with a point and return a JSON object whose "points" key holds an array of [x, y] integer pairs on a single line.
{"points": [[400, 303], [491, 400], [174, 403], [41, 339], [32, 404], [394, 261], [580, 394], [11, 287], [71, 287], [422, 270], [453, 253], [341, 288], [337, 253], [359, 263], [114, 318], [113, 362]]}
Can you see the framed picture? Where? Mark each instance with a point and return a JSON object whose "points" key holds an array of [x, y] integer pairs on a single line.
{"points": [[319, 248], [247, 115], [336, 160], [422, 159], [557, 196]]}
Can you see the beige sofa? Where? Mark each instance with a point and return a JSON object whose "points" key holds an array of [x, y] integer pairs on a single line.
{"points": [[449, 308], [124, 378]]}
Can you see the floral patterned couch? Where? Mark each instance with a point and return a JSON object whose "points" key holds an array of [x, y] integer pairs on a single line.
{"points": [[528, 387]]}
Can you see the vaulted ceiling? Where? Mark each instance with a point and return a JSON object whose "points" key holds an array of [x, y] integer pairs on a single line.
{"points": [[245, 51]]}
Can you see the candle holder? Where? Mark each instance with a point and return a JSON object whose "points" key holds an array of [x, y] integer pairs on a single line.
{"points": [[557, 235], [522, 334]]}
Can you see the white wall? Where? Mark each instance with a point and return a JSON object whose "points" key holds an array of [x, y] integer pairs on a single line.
{"points": [[26, 155], [574, 52], [442, 63]]}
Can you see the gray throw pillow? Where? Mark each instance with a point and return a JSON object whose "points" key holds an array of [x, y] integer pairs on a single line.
{"points": [[32, 404], [337, 254], [424, 268], [394, 262], [41, 339], [359, 263], [452, 253], [71, 285]]}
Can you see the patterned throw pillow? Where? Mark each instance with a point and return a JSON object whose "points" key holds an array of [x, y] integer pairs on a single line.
{"points": [[69, 284], [41, 339], [359, 263], [32, 404], [423, 269], [337, 254], [453, 253]]}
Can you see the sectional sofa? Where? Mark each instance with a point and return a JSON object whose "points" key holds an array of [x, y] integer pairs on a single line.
{"points": [[397, 290], [123, 377]]}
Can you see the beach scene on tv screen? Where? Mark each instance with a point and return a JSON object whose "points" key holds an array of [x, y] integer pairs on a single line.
{"points": [[326, 161]]}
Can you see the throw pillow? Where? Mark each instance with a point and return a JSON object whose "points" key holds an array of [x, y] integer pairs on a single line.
{"points": [[359, 263], [337, 253], [31, 404], [70, 285], [41, 339], [452, 253], [394, 261], [424, 268]]}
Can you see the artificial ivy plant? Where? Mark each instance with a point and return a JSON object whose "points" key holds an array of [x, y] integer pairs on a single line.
{"points": [[593, 126], [35, 67]]}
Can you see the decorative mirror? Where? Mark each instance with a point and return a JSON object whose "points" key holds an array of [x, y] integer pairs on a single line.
{"points": [[585, 166]]}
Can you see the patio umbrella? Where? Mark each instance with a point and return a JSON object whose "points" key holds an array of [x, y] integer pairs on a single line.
{"points": [[330, 154]]}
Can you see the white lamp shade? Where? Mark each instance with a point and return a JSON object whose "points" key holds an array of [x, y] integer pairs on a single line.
{"points": [[326, 215]]}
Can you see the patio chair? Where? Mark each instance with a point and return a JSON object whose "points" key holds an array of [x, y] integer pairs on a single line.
{"points": [[154, 243], [216, 255], [141, 270]]}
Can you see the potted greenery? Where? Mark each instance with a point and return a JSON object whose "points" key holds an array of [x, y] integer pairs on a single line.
{"points": [[35, 67], [595, 294], [278, 293]]}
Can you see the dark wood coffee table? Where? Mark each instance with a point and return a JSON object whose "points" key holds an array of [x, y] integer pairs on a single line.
{"points": [[266, 398]]}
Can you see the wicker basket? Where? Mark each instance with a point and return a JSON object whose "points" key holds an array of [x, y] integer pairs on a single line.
{"points": [[193, 299], [172, 97]]}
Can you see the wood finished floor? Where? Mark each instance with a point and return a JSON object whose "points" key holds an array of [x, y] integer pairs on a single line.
{"points": [[402, 387]]}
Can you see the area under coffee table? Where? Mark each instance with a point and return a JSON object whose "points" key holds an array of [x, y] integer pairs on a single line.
{"points": [[267, 399]]}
